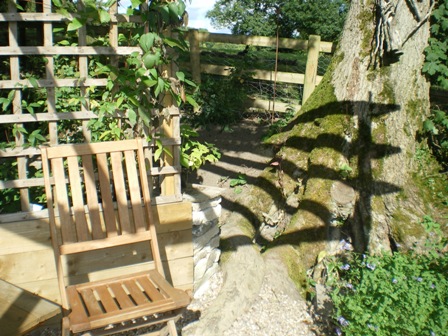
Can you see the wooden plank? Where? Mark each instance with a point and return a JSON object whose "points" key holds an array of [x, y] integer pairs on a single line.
{"points": [[14, 67], [77, 199], [173, 213], [27, 236], [284, 77], [83, 246], [20, 310], [67, 230], [89, 149], [135, 292], [71, 51], [38, 117], [107, 202], [54, 82], [91, 302], [120, 193], [260, 41], [195, 56], [150, 289], [92, 198], [50, 74], [311, 67], [55, 17], [120, 295], [139, 222], [106, 299]]}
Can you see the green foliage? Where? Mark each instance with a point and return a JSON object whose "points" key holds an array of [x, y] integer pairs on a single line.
{"points": [[237, 182], [436, 62], [294, 18], [221, 100], [278, 125], [195, 153], [404, 293], [436, 129]]}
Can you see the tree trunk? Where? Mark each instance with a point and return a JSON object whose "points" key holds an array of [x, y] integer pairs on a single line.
{"points": [[347, 167]]}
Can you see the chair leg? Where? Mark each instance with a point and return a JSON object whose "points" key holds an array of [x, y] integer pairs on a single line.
{"points": [[66, 327], [172, 328]]}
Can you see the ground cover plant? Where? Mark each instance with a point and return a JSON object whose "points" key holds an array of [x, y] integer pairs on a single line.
{"points": [[403, 293]]}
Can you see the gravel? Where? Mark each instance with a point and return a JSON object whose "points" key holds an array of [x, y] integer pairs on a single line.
{"points": [[272, 314]]}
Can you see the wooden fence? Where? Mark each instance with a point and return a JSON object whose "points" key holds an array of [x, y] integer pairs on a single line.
{"points": [[313, 46], [26, 257]]}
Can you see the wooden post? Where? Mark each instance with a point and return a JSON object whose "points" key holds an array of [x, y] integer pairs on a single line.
{"points": [[49, 70], [195, 56], [311, 66], [83, 74], [170, 186], [14, 65]]}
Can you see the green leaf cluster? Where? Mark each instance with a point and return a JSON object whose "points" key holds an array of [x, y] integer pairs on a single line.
{"points": [[195, 153], [404, 293], [436, 130], [436, 54], [291, 17]]}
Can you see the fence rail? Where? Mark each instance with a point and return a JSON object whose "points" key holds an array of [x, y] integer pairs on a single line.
{"points": [[309, 79]]}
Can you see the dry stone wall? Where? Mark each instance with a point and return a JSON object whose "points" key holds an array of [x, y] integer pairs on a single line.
{"points": [[206, 204]]}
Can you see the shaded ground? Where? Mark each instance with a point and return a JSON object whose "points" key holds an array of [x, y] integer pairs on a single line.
{"points": [[242, 154], [253, 294]]}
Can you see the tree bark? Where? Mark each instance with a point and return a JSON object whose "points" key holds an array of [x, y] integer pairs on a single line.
{"points": [[347, 166]]}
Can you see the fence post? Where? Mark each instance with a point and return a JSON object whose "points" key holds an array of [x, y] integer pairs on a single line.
{"points": [[311, 66], [170, 127], [195, 56]]}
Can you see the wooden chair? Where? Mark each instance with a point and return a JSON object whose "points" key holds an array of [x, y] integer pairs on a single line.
{"points": [[98, 197]]}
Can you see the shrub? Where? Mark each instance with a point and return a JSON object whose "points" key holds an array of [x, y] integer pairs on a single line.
{"points": [[393, 294]]}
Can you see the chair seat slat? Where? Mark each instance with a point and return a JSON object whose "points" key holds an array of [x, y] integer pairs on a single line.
{"points": [[90, 302], [150, 289], [135, 292], [120, 295], [106, 299]]}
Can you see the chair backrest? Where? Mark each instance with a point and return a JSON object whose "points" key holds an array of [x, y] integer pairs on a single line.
{"points": [[98, 197]]}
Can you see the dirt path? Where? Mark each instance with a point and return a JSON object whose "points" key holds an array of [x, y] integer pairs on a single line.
{"points": [[242, 154], [256, 296]]}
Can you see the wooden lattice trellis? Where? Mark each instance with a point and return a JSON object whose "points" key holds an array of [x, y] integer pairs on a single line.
{"points": [[165, 172]]}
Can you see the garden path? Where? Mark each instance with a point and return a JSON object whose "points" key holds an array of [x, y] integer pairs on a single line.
{"points": [[252, 295]]}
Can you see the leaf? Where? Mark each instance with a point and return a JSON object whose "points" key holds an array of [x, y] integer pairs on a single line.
{"points": [[33, 82], [149, 82], [160, 86], [180, 75], [135, 3], [174, 43], [132, 117], [75, 24], [103, 15], [109, 3], [146, 41], [429, 126], [57, 3]]}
